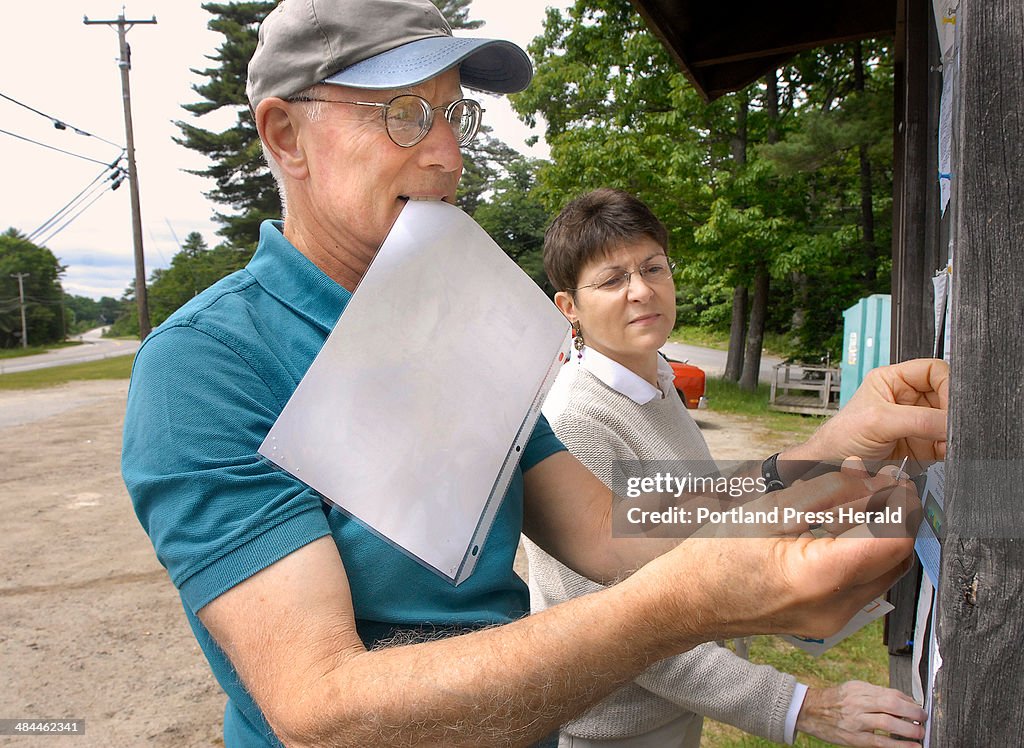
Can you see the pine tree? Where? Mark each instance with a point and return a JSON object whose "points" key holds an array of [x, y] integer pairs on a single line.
{"points": [[237, 168], [457, 13]]}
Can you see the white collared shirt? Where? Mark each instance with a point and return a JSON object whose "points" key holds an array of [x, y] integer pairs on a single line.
{"points": [[626, 381], [611, 373]]}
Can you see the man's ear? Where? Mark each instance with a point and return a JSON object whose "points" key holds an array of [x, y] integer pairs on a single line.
{"points": [[278, 122], [566, 305]]}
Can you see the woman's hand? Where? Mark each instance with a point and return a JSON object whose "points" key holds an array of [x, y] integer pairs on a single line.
{"points": [[855, 713]]}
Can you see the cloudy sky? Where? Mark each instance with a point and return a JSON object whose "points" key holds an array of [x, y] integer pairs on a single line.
{"points": [[54, 63]]}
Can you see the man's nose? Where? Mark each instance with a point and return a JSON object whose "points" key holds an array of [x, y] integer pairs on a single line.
{"points": [[440, 146]]}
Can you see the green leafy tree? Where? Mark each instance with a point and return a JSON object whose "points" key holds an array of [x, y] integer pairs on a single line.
{"points": [[40, 279], [776, 197], [80, 311], [84, 313], [620, 113], [516, 220], [127, 323], [835, 159], [193, 269]]}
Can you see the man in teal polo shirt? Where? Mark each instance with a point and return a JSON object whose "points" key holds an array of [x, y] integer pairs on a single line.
{"points": [[360, 107]]}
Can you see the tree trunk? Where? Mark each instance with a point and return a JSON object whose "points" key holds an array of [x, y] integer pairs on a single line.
{"points": [[738, 142], [734, 359], [755, 333], [738, 146], [867, 211], [799, 318], [771, 105]]}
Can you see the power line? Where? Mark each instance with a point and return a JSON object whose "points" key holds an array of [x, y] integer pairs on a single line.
{"points": [[59, 123], [52, 147], [44, 234], [112, 172], [67, 223]]}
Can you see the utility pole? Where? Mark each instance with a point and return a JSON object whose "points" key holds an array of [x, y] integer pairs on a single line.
{"points": [[125, 63], [21, 298]]}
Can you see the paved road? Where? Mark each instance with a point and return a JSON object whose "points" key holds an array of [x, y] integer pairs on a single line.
{"points": [[712, 361], [93, 348]]}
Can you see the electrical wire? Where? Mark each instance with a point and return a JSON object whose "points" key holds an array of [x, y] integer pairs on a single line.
{"points": [[59, 123], [63, 226], [113, 171], [52, 147], [65, 212]]}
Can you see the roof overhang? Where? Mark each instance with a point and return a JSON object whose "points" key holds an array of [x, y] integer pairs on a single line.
{"points": [[725, 46]]}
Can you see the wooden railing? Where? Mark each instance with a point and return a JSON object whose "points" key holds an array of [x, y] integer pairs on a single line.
{"points": [[802, 388]]}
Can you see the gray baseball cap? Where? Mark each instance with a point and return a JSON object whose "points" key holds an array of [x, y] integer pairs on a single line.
{"points": [[373, 44]]}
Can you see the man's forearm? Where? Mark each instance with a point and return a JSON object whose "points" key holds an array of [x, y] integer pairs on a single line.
{"points": [[507, 685]]}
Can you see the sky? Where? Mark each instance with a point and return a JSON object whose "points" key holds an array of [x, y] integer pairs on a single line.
{"points": [[57, 65]]}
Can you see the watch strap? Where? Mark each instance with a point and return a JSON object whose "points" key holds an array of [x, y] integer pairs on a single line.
{"points": [[770, 472]]}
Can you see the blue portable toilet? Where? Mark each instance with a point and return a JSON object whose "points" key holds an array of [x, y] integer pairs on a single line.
{"points": [[866, 328]]}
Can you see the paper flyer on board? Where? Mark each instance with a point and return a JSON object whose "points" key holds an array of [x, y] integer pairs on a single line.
{"points": [[413, 416], [932, 530]]}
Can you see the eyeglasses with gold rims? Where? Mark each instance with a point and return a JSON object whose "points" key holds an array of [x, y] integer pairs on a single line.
{"points": [[408, 117], [654, 272]]}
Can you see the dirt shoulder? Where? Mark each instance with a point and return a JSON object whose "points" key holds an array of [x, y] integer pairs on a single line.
{"points": [[93, 629]]}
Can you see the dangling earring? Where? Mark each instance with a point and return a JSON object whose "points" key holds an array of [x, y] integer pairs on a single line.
{"points": [[577, 339]]}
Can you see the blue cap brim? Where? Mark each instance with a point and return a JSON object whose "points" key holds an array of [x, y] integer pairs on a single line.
{"points": [[490, 65]]}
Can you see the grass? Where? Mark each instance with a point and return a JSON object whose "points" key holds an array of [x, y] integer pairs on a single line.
{"points": [[33, 350], [702, 336], [116, 367], [860, 657], [727, 397], [774, 344]]}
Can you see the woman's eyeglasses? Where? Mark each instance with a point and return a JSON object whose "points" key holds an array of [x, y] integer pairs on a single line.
{"points": [[655, 273]]}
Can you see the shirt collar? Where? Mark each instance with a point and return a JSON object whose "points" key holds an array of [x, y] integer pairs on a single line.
{"points": [[292, 278], [623, 380]]}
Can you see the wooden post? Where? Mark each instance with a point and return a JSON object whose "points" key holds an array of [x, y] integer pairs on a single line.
{"points": [[916, 251], [981, 592], [125, 64]]}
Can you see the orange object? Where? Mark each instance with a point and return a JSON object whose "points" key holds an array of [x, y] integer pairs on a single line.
{"points": [[689, 380]]}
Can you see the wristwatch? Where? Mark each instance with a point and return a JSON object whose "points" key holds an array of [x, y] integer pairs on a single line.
{"points": [[770, 473]]}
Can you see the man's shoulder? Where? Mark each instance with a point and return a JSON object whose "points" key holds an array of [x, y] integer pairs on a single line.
{"points": [[215, 305], [235, 312], [215, 331]]}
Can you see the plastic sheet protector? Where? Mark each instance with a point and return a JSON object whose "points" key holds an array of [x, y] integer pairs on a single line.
{"points": [[413, 416]]}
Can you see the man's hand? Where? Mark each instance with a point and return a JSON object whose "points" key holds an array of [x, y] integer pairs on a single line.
{"points": [[779, 579], [850, 714], [898, 411]]}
